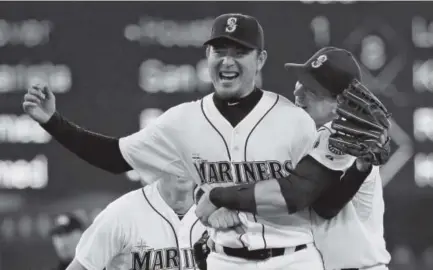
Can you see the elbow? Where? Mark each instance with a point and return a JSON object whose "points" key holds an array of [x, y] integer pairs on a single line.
{"points": [[115, 166], [328, 216], [309, 180], [303, 201], [298, 203], [326, 209]]}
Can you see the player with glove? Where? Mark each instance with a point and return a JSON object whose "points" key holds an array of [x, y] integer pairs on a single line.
{"points": [[355, 126], [353, 136]]}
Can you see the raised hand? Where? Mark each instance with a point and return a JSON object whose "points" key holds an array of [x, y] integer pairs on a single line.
{"points": [[39, 103]]}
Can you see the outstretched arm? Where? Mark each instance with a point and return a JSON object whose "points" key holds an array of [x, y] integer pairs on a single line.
{"points": [[149, 151], [98, 150], [103, 152]]}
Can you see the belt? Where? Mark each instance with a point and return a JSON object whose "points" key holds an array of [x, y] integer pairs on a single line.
{"points": [[258, 254]]}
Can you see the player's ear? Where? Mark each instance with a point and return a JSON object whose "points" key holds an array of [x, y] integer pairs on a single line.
{"points": [[207, 50], [333, 103], [261, 59]]}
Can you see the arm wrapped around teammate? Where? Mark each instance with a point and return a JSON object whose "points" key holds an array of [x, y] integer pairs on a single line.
{"points": [[339, 193], [362, 126], [288, 194]]}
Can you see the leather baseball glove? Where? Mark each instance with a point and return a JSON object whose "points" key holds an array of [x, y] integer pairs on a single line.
{"points": [[201, 251], [362, 126]]}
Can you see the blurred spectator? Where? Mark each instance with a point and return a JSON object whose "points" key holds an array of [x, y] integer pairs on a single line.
{"points": [[65, 234]]}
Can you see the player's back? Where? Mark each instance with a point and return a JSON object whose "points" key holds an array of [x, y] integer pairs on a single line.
{"points": [[354, 237], [142, 232]]}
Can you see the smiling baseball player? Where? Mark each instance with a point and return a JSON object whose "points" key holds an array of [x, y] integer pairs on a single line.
{"points": [[150, 228], [233, 136]]}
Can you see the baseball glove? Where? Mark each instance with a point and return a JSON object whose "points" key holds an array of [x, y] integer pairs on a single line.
{"points": [[201, 251], [362, 125]]}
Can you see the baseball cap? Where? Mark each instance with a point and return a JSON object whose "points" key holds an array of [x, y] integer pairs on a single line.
{"points": [[243, 29], [330, 69], [66, 223]]}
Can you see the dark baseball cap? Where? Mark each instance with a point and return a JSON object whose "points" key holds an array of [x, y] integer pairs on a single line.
{"points": [[66, 223], [243, 29], [329, 70]]}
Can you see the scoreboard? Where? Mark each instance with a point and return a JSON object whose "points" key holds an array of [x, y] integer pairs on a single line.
{"points": [[116, 66]]}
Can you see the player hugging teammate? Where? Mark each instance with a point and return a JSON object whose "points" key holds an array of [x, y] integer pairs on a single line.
{"points": [[261, 178]]}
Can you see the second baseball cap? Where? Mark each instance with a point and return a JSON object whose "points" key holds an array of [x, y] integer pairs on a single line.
{"points": [[330, 69], [243, 29], [66, 223]]}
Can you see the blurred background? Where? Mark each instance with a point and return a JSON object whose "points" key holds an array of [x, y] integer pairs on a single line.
{"points": [[116, 66]]}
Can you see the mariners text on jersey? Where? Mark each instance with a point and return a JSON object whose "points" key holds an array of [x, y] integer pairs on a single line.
{"points": [[167, 258], [241, 172]]}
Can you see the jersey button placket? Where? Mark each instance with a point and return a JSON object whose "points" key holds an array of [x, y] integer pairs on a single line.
{"points": [[235, 145]]}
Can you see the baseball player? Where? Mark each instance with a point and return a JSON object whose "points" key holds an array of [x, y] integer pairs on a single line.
{"points": [[65, 234], [353, 239], [349, 235], [150, 228], [237, 134]]}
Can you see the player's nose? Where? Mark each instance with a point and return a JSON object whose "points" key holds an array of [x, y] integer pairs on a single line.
{"points": [[227, 61], [298, 91]]}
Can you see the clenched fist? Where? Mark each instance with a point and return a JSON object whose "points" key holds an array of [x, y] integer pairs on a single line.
{"points": [[39, 103], [223, 219]]}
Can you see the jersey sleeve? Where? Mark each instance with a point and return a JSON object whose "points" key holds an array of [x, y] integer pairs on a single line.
{"points": [[152, 151], [307, 135], [103, 240], [327, 155]]}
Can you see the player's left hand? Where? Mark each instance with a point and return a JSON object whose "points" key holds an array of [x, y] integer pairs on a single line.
{"points": [[205, 208], [362, 126]]}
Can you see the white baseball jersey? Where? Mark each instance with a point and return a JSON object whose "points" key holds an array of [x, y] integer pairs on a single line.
{"points": [[354, 238], [139, 231], [194, 140]]}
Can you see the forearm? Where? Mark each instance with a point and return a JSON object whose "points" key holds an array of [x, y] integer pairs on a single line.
{"points": [[269, 199], [98, 150], [330, 203], [263, 198], [308, 181]]}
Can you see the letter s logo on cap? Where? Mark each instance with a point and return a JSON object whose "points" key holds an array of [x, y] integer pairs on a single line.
{"points": [[319, 61], [231, 24]]}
